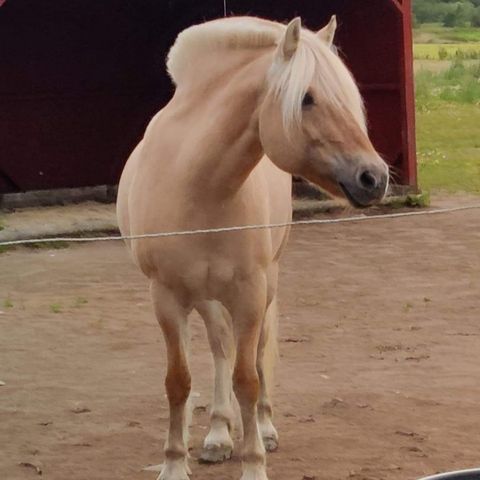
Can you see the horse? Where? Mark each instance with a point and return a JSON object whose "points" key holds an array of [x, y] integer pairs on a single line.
{"points": [[255, 103]]}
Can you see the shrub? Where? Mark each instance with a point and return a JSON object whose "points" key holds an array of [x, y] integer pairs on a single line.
{"points": [[442, 53], [458, 84]]}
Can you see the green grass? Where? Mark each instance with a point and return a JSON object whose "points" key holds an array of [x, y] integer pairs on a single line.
{"points": [[448, 128], [56, 307], [459, 83], [55, 245], [436, 33], [7, 303], [447, 78], [448, 147], [446, 51], [36, 246]]}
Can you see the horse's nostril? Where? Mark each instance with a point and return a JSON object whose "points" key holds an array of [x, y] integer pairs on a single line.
{"points": [[367, 180]]}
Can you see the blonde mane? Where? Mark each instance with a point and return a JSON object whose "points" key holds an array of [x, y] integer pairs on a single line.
{"points": [[226, 33], [313, 63]]}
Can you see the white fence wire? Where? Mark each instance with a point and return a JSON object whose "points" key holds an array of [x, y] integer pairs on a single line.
{"points": [[323, 221]]}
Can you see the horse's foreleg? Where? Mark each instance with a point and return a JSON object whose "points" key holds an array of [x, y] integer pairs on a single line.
{"points": [[266, 357], [248, 310], [173, 320], [218, 444]]}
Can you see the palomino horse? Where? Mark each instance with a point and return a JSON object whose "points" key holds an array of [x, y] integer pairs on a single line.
{"points": [[255, 103]]}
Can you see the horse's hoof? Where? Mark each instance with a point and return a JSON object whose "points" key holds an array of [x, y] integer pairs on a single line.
{"points": [[174, 470], [254, 472], [215, 454], [270, 443]]}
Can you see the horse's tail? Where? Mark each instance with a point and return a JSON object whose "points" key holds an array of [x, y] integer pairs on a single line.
{"points": [[270, 356]]}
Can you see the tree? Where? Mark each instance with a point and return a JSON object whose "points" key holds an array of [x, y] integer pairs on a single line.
{"points": [[450, 19], [458, 16], [475, 20], [449, 12]]}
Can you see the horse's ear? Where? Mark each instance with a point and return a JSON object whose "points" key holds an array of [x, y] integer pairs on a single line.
{"points": [[289, 42], [328, 31]]}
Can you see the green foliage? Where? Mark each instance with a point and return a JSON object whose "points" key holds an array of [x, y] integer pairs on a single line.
{"points": [[451, 20], [458, 17], [449, 13], [420, 200], [475, 20], [426, 11]]}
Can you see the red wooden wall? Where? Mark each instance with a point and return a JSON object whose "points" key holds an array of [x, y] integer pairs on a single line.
{"points": [[80, 79]]}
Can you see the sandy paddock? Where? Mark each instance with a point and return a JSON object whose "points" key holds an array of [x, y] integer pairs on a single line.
{"points": [[379, 371]]}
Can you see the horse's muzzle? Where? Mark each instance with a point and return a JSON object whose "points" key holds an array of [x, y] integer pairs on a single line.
{"points": [[367, 188]]}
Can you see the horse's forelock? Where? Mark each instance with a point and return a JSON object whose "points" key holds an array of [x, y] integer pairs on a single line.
{"points": [[314, 64]]}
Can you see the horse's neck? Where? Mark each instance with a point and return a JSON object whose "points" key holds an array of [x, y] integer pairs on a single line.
{"points": [[228, 147]]}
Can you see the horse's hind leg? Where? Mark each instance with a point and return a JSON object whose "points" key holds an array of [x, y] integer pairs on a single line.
{"points": [[218, 444], [173, 319], [266, 356]]}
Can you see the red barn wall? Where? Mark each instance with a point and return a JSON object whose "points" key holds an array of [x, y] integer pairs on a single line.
{"points": [[79, 80]]}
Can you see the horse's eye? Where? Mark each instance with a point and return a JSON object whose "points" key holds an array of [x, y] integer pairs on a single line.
{"points": [[307, 100]]}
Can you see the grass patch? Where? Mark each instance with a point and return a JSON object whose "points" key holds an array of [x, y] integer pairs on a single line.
{"points": [[460, 83], [47, 245], [412, 200], [56, 307], [436, 33], [438, 66], [7, 303], [448, 147], [6, 248], [447, 82], [446, 51], [418, 200], [80, 301], [461, 34], [37, 246], [448, 116]]}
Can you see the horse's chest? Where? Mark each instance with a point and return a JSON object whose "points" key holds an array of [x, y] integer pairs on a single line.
{"points": [[205, 268]]}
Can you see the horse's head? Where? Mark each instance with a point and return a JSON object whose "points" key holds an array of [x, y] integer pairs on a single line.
{"points": [[312, 120]]}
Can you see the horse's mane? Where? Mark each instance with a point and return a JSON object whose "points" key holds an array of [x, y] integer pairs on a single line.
{"points": [[225, 33], [312, 63]]}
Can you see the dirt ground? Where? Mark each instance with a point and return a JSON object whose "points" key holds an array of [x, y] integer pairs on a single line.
{"points": [[378, 377]]}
